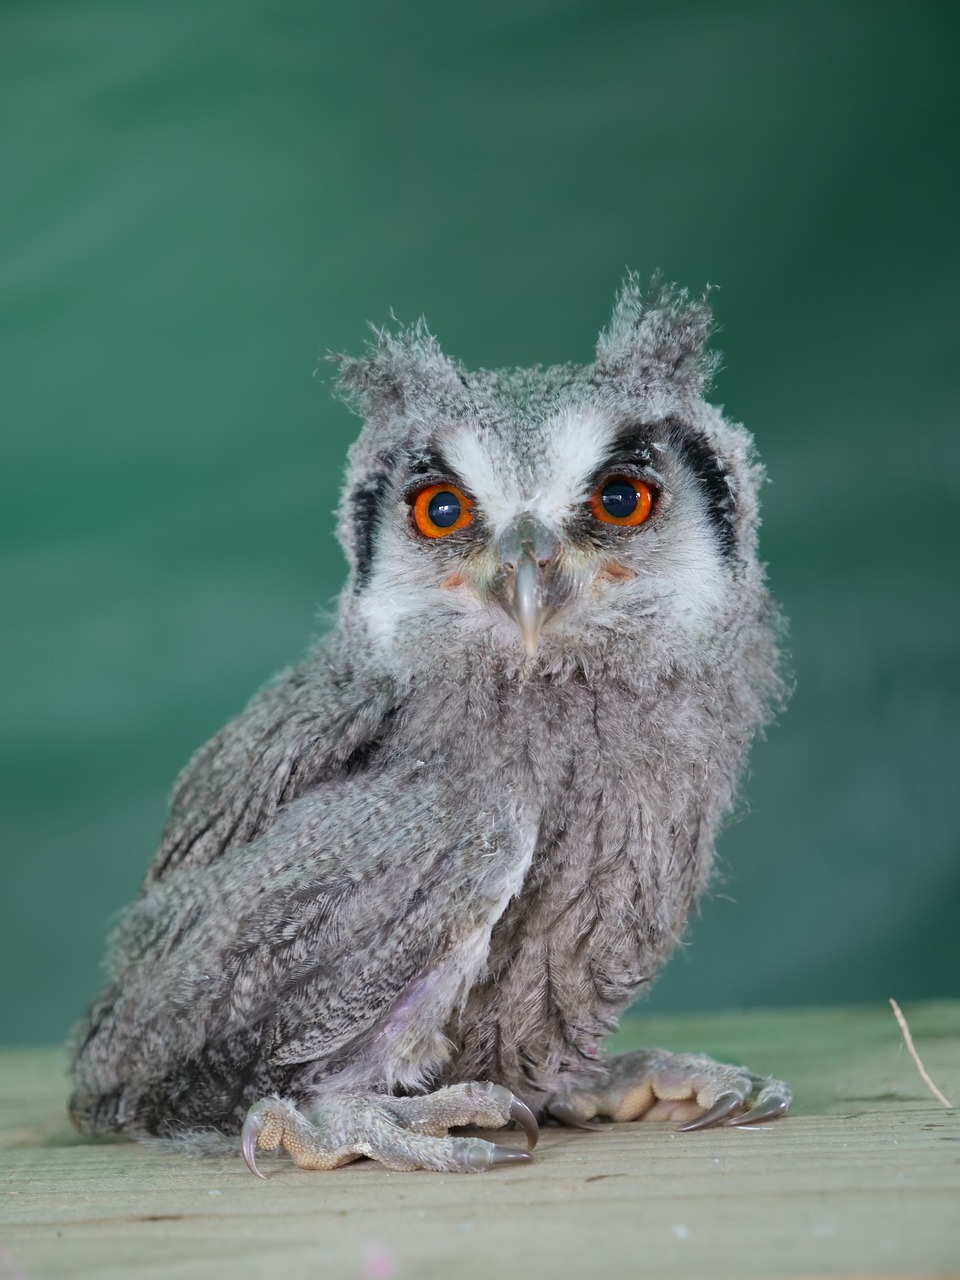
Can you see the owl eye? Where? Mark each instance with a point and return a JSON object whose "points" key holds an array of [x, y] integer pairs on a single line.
{"points": [[440, 509], [622, 500]]}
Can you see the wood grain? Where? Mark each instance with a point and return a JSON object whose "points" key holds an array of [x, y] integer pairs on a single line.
{"points": [[863, 1179]]}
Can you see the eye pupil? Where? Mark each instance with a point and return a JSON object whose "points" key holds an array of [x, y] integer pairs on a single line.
{"points": [[444, 509], [619, 499]]}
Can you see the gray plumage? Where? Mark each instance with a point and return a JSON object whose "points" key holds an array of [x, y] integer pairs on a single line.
{"points": [[452, 846]]}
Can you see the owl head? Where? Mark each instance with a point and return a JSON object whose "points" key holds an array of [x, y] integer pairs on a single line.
{"points": [[549, 516]]}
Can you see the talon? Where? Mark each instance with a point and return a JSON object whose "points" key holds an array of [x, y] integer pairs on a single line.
{"points": [[726, 1103], [563, 1112], [771, 1109], [527, 1121], [508, 1155], [248, 1142]]}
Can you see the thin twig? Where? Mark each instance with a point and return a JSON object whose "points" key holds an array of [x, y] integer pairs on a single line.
{"points": [[908, 1038]]}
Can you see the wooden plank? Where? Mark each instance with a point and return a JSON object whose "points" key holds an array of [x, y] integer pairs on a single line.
{"points": [[862, 1180]]}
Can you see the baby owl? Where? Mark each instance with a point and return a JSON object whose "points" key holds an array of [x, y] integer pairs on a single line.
{"points": [[415, 883]]}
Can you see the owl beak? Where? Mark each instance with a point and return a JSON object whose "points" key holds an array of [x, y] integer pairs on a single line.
{"points": [[528, 586]]}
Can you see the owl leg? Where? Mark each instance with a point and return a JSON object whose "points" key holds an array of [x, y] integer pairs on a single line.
{"points": [[653, 1084], [400, 1133]]}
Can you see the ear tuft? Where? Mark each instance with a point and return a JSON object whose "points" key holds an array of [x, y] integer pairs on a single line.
{"points": [[397, 369], [657, 341]]}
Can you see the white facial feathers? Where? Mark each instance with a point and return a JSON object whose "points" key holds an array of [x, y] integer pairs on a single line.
{"points": [[670, 574], [575, 444]]}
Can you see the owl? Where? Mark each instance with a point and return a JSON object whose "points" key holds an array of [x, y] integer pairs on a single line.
{"points": [[414, 885]]}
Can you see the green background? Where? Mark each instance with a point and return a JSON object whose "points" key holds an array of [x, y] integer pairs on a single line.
{"points": [[198, 196]]}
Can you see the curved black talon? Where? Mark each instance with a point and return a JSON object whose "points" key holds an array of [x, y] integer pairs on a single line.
{"points": [[772, 1109], [527, 1121], [248, 1142], [508, 1155], [726, 1103], [563, 1112]]}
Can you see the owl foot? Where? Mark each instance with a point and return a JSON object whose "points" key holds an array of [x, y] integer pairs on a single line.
{"points": [[401, 1133], [652, 1084]]}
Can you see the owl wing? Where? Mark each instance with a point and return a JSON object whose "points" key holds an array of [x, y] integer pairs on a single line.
{"points": [[342, 937], [303, 728]]}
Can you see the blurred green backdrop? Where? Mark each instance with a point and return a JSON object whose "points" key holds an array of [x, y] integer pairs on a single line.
{"points": [[198, 196]]}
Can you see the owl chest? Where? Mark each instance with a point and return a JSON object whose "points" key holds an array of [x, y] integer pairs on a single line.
{"points": [[585, 785], [585, 928], [615, 869]]}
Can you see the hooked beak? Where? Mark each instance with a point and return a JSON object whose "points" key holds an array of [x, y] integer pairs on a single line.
{"points": [[528, 585]]}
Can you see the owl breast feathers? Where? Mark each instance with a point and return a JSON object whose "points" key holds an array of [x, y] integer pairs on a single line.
{"points": [[464, 834]]}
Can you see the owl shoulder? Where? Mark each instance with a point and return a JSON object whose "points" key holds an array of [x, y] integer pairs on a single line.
{"points": [[309, 724]]}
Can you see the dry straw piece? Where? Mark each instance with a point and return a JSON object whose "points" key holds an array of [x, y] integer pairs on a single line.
{"points": [[908, 1038]]}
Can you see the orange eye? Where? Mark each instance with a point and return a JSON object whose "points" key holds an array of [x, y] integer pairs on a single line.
{"points": [[440, 509], [622, 500]]}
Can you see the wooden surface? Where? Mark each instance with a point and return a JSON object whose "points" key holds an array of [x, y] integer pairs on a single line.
{"points": [[863, 1179]]}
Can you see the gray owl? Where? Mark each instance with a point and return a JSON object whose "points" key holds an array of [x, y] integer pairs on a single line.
{"points": [[414, 885]]}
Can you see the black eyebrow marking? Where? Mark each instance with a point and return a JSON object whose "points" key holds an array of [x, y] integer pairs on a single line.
{"points": [[431, 466], [430, 462], [714, 477], [366, 502], [632, 446], [631, 450]]}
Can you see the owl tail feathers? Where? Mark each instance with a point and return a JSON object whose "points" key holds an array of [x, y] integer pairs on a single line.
{"points": [[656, 340]]}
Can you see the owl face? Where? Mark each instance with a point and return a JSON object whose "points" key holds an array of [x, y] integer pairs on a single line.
{"points": [[538, 513]]}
